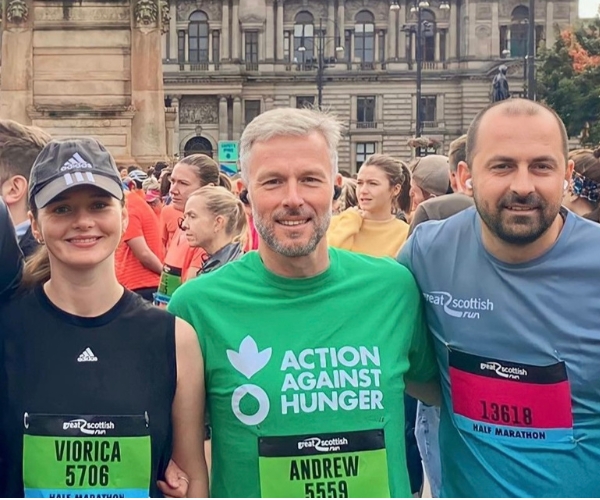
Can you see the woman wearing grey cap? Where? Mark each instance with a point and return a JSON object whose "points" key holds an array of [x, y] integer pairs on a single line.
{"points": [[99, 389]]}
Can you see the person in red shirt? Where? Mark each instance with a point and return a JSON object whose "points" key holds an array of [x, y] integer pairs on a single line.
{"points": [[140, 253]]}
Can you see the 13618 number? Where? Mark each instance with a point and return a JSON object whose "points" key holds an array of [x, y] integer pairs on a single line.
{"points": [[329, 489], [86, 475], [506, 414]]}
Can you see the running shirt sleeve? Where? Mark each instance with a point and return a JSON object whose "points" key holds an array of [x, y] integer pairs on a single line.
{"points": [[10, 255], [134, 226]]}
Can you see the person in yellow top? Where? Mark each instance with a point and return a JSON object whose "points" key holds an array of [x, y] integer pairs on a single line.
{"points": [[372, 228]]}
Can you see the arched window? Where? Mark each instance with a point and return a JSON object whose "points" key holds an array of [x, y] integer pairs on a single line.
{"points": [[428, 30], [304, 32], [198, 37], [364, 37], [198, 145], [518, 31]]}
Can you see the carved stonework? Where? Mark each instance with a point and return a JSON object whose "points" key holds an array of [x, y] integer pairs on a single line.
{"points": [[483, 31], [211, 7], [97, 14], [165, 16], [199, 109], [506, 7], [146, 12], [316, 7], [16, 11], [484, 11], [353, 7], [252, 11]]}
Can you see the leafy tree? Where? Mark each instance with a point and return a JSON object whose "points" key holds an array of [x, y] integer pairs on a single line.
{"points": [[569, 80]]}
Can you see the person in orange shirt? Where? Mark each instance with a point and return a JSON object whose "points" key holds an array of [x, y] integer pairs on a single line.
{"points": [[140, 253], [169, 217], [183, 262]]}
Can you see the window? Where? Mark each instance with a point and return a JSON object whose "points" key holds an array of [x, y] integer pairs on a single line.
{"points": [[286, 46], [305, 101], [303, 37], [364, 37], [365, 111], [251, 110], [429, 109], [428, 31], [363, 151], [348, 45], [216, 47], [252, 50], [443, 45], [198, 37], [181, 46], [503, 40], [518, 31], [382, 46]]}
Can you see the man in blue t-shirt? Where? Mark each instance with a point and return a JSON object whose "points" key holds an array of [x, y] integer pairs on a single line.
{"points": [[511, 291]]}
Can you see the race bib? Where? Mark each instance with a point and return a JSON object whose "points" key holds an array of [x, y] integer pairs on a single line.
{"points": [[501, 401], [340, 465], [86, 456]]}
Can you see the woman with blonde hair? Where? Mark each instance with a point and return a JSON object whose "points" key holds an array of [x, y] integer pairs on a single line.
{"points": [[583, 193], [372, 228], [99, 388], [214, 219]]}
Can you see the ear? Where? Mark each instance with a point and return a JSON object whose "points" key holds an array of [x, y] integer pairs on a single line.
{"points": [[247, 206], [463, 174], [14, 189], [569, 172], [219, 223], [36, 230], [339, 180]]}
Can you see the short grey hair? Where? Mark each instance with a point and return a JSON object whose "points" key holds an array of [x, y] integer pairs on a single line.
{"points": [[283, 122]]}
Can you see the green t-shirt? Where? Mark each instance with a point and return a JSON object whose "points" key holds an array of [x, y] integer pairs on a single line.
{"points": [[305, 377]]}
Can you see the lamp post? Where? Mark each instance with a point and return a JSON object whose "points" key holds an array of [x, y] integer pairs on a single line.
{"points": [[321, 63], [531, 52]]}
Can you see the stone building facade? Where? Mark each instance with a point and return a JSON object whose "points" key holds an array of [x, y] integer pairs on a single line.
{"points": [[226, 61], [93, 67]]}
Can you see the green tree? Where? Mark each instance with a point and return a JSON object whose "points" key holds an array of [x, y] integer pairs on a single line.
{"points": [[569, 80]]}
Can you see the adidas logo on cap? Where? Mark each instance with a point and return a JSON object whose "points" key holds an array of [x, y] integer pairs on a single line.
{"points": [[87, 356], [76, 161]]}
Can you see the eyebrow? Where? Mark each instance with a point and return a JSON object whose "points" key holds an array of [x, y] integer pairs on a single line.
{"points": [[278, 174], [508, 159]]}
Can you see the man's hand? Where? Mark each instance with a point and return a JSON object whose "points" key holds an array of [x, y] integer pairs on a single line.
{"points": [[176, 482]]}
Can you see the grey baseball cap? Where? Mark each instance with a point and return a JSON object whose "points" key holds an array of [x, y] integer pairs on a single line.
{"points": [[63, 165]]}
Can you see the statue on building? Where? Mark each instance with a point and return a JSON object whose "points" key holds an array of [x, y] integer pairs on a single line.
{"points": [[500, 90]]}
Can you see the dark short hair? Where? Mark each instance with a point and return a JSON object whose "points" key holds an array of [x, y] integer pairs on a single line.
{"points": [[457, 152], [513, 107], [19, 147]]}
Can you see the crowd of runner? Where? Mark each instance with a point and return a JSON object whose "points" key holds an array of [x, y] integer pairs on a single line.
{"points": [[175, 331]]}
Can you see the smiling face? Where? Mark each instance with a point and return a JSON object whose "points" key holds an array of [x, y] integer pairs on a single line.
{"points": [[291, 190], [374, 192], [81, 228], [184, 181], [518, 170]]}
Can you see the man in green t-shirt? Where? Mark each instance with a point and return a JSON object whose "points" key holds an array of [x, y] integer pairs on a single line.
{"points": [[306, 348]]}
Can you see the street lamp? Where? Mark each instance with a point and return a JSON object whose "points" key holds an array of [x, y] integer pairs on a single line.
{"points": [[321, 64], [394, 5]]}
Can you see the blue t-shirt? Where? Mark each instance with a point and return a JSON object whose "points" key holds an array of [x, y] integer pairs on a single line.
{"points": [[519, 352]]}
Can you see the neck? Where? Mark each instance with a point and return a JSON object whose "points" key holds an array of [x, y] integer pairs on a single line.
{"points": [[84, 293], [517, 254], [295, 267], [221, 240], [18, 213]]}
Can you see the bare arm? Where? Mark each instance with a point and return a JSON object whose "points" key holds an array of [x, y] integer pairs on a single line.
{"points": [[188, 410], [142, 252], [192, 273], [428, 392]]}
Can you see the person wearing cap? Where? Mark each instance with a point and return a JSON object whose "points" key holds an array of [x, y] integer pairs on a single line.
{"points": [[140, 253], [98, 388], [430, 178]]}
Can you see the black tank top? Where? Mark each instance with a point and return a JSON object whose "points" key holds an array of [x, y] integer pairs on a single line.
{"points": [[85, 402]]}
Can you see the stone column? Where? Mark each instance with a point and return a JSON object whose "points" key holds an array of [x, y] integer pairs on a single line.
{"points": [[376, 53], [261, 46], [392, 39], [495, 31], [279, 30], [243, 54], [330, 41], [210, 45], [550, 38], [186, 54], [235, 31], [413, 47], [453, 31], [225, 38], [148, 130], [400, 44], [16, 87], [173, 42], [472, 38], [237, 118], [222, 118], [437, 45], [342, 27], [270, 33]]}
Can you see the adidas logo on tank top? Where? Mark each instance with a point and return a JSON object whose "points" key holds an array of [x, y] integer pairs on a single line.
{"points": [[86, 356]]}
